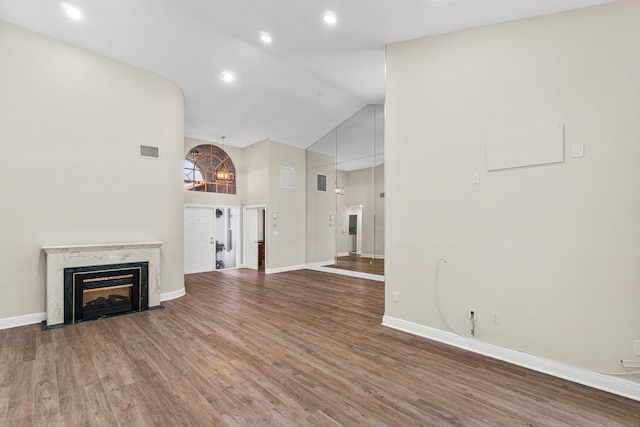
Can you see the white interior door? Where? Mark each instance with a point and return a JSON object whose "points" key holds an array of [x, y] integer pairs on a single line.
{"points": [[199, 245], [251, 238]]}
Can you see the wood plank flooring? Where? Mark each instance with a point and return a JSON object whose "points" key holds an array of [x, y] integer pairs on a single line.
{"points": [[358, 263], [293, 349]]}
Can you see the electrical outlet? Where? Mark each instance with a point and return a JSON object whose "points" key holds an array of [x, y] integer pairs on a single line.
{"points": [[471, 314], [577, 150], [495, 318], [636, 347], [395, 296]]}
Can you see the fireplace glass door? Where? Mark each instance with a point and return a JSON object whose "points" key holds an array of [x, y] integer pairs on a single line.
{"points": [[98, 292], [107, 294]]}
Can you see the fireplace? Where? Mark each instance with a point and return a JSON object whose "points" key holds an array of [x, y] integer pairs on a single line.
{"points": [[107, 261], [106, 290]]}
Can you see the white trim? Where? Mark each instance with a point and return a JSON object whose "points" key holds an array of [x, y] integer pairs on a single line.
{"points": [[362, 255], [342, 272], [265, 235], [595, 380], [320, 264], [173, 295], [28, 319], [285, 269], [372, 256]]}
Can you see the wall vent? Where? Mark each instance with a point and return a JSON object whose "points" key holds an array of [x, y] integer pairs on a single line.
{"points": [[287, 177], [147, 151], [321, 182]]}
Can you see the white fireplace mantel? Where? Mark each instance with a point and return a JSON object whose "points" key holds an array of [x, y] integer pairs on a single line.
{"points": [[61, 257]]}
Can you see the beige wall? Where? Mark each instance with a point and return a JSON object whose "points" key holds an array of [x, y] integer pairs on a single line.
{"points": [[258, 181], [256, 170], [71, 123], [262, 163], [288, 247], [321, 206], [553, 249]]}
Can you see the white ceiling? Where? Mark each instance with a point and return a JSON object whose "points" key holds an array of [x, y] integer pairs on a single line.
{"points": [[310, 79]]}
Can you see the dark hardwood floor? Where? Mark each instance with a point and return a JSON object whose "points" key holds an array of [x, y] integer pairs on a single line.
{"points": [[291, 349]]}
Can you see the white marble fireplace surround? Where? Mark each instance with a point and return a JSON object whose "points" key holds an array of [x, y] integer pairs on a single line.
{"points": [[61, 257]]}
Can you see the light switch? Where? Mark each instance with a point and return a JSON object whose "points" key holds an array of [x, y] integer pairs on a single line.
{"points": [[275, 215], [475, 178], [577, 150]]}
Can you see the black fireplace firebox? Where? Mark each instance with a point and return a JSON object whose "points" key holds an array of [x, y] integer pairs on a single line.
{"points": [[106, 290]]}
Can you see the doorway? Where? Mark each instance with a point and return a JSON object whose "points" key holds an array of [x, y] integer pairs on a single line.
{"points": [[226, 229], [210, 238], [254, 231], [355, 230], [198, 240]]}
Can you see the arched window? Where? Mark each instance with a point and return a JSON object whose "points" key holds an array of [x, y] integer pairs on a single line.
{"points": [[209, 168]]}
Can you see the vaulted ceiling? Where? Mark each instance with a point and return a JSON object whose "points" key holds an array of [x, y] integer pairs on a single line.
{"points": [[310, 78]]}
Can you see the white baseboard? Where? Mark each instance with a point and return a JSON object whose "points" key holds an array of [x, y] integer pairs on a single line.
{"points": [[28, 319], [285, 269], [358, 274], [320, 264], [595, 380], [343, 254], [173, 295], [373, 256]]}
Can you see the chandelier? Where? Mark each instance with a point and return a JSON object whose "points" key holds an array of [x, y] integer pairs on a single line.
{"points": [[222, 173]]}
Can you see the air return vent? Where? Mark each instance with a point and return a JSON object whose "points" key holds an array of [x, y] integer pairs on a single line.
{"points": [[287, 177], [147, 151]]}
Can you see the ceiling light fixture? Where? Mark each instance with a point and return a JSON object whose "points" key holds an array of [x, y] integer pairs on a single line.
{"points": [[72, 12], [265, 37], [227, 76], [330, 17], [222, 173]]}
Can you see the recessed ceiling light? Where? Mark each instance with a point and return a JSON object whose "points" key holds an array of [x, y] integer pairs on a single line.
{"points": [[227, 76], [330, 17], [72, 12], [265, 37]]}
